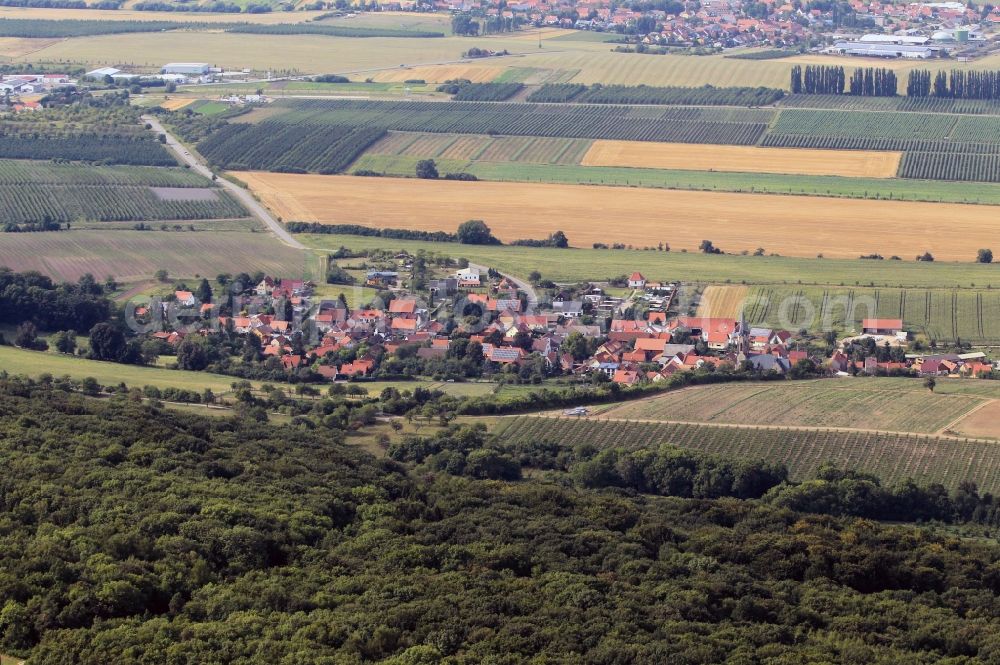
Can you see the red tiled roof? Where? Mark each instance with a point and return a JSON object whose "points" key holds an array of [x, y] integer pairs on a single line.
{"points": [[883, 324]]}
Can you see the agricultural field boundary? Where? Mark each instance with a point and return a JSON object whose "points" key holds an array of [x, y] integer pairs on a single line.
{"points": [[577, 265], [842, 404], [585, 213], [604, 417], [894, 457]]}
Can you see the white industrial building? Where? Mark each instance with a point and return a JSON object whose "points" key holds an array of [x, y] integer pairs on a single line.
{"points": [[102, 72], [876, 50], [186, 68], [912, 40]]}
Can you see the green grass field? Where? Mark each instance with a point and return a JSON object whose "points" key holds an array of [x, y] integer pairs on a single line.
{"points": [[990, 389], [890, 456], [847, 403], [33, 363], [571, 265], [209, 108]]}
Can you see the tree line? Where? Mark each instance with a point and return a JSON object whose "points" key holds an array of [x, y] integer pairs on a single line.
{"points": [[956, 84], [33, 297], [831, 80], [670, 471]]}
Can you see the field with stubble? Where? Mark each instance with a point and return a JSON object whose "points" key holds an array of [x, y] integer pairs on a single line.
{"points": [[747, 159], [136, 255], [842, 228]]}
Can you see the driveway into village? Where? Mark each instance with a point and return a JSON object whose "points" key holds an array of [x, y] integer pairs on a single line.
{"points": [[520, 283], [242, 195]]}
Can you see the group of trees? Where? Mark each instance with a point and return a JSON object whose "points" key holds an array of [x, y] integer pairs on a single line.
{"points": [[475, 232], [957, 84], [557, 239], [831, 80], [670, 471], [32, 297], [818, 80], [359, 230], [426, 169], [28, 141], [464, 26], [873, 82]]}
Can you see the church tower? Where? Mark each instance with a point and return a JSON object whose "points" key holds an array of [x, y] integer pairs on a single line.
{"points": [[743, 338]]}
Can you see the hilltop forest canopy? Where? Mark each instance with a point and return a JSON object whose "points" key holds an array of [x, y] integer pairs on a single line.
{"points": [[134, 534]]}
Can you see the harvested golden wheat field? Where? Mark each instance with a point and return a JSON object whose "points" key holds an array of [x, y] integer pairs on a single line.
{"points": [[722, 301], [787, 225], [176, 104], [15, 47], [744, 159], [981, 422]]}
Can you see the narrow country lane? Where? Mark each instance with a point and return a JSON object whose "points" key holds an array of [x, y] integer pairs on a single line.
{"points": [[242, 195]]}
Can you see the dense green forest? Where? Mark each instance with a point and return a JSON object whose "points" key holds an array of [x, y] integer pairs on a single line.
{"points": [[134, 534], [35, 298]]}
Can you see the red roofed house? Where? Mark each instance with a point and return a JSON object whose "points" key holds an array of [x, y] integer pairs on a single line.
{"points": [[403, 306], [936, 366], [507, 355], [626, 377], [405, 325], [882, 326], [637, 281], [975, 369], [361, 367], [650, 344], [327, 372]]}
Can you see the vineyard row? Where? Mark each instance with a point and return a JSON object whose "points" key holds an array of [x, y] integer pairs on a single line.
{"points": [[74, 203], [24, 172], [892, 457]]}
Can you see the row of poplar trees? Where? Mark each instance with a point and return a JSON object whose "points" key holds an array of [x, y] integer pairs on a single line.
{"points": [[831, 80], [956, 85]]}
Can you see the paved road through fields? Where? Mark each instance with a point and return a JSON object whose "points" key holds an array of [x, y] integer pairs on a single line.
{"points": [[242, 195]]}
